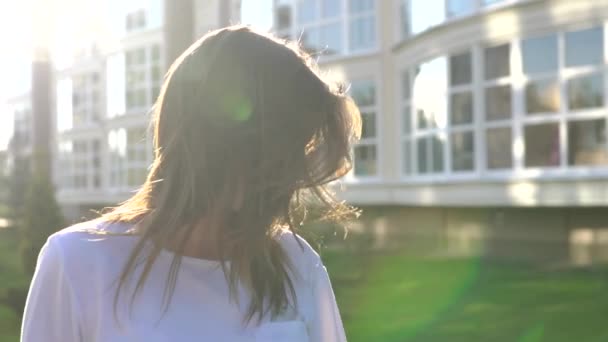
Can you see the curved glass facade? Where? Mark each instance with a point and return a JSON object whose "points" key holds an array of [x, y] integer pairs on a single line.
{"points": [[532, 103]]}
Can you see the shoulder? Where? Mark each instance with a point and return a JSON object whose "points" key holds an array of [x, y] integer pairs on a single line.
{"points": [[84, 243], [301, 255]]}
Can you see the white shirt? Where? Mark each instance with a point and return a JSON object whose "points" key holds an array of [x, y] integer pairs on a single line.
{"points": [[72, 296]]}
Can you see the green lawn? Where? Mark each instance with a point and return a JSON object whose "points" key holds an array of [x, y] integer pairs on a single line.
{"points": [[402, 298]]}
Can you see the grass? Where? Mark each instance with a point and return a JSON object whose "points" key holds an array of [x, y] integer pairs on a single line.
{"points": [[394, 297]]}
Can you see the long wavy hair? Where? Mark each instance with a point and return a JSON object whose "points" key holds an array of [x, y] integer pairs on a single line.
{"points": [[246, 134]]}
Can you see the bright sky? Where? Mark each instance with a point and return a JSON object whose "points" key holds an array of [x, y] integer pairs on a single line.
{"points": [[16, 43]]}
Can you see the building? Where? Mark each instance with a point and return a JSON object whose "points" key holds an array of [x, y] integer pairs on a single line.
{"points": [[105, 96], [475, 112]]}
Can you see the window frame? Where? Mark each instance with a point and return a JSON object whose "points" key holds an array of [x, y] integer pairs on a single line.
{"points": [[519, 118], [343, 19]]}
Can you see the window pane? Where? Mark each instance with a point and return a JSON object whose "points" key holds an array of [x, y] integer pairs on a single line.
{"points": [[429, 96], [499, 148], [542, 145], [423, 156], [362, 33], [497, 61], [310, 40], [542, 97], [437, 149], [155, 53], [330, 38], [330, 8], [404, 17], [462, 108], [368, 125], [140, 56], [587, 142], [363, 92], [283, 16], [586, 92], [498, 103], [427, 14], [463, 151], [461, 7], [585, 47], [406, 87], [540, 54], [425, 119], [460, 69], [407, 157], [365, 160], [407, 120], [360, 6], [306, 11]]}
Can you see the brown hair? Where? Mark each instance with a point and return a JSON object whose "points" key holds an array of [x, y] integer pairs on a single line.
{"points": [[243, 127]]}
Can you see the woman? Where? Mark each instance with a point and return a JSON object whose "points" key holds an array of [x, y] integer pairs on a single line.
{"points": [[206, 249]]}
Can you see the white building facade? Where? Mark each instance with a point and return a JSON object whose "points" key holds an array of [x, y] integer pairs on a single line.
{"points": [[104, 102], [470, 103]]}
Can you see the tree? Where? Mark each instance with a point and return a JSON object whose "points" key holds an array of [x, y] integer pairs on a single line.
{"points": [[41, 218]]}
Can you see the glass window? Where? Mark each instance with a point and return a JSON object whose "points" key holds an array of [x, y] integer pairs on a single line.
{"points": [[586, 92], [461, 108], [362, 33], [140, 56], [426, 14], [425, 119], [365, 160], [360, 6], [497, 62], [461, 7], [330, 8], [585, 47], [542, 145], [429, 96], [155, 53], [460, 69], [407, 157], [540, 54], [463, 151], [363, 92], [587, 142], [283, 16], [437, 149], [407, 120], [330, 38], [155, 74], [310, 39], [542, 96], [307, 11], [406, 87], [499, 148], [404, 18], [423, 156], [498, 102], [368, 125]]}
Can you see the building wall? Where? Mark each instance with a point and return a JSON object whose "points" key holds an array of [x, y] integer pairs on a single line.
{"points": [[549, 236], [103, 159], [418, 37]]}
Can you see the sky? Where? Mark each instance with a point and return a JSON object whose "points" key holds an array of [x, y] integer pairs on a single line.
{"points": [[16, 42]]}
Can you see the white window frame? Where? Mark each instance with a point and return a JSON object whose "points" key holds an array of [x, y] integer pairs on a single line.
{"points": [[351, 177], [147, 84], [344, 18], [519, 119]]}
